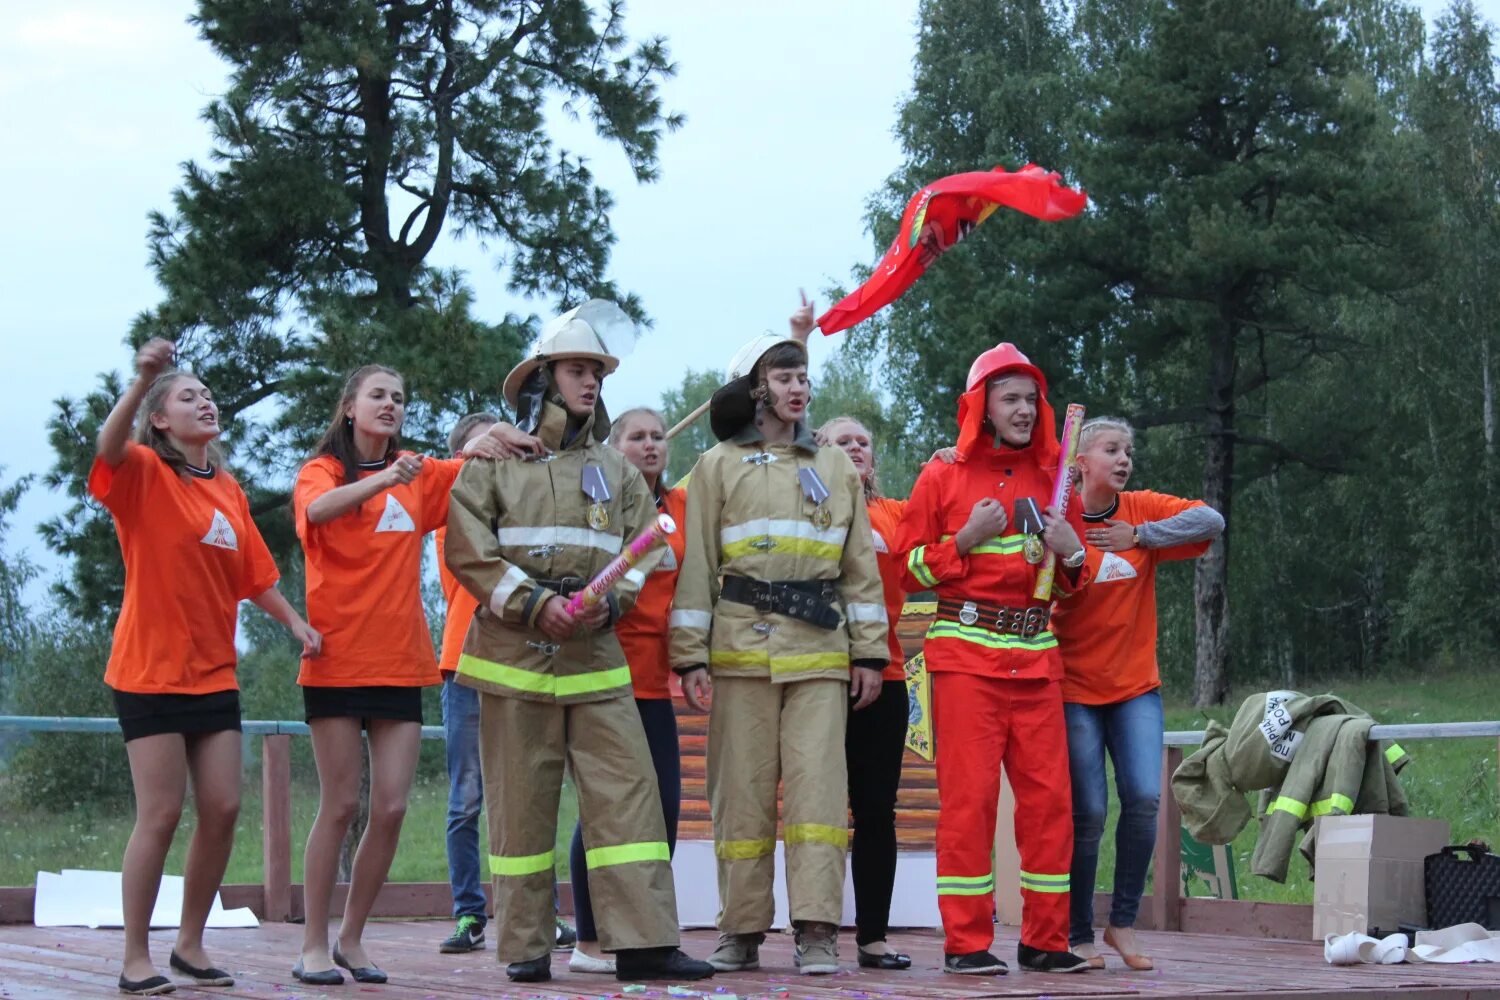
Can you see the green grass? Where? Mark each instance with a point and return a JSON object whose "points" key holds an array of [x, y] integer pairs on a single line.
{"points": [[1451, 779], [94, 836], [1446, 779]]}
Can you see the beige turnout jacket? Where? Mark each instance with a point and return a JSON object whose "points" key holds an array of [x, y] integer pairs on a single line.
{"points": [[747, 516], [513, 523]]}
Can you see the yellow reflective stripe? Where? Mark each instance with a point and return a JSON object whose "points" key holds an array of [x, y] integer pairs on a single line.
{"points": [[783, 544], [597, 680], [1037, 882], [506, 676], [1000, 546], [1342, 803], [530, 864], [625, 854], [797, 663], [535, 683], [744, 850], [990, 640], [1394, 753], [918, 566], [965, 885], [1286, 805], [816, 833]]}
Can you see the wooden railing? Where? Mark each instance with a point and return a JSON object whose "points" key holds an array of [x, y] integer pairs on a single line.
{"points": [[277, 898]]}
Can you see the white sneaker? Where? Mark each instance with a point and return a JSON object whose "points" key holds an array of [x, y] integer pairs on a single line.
{"points": [[579, 962]]}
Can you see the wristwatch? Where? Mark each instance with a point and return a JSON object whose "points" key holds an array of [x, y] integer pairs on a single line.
{"points": [[1076, 559]]}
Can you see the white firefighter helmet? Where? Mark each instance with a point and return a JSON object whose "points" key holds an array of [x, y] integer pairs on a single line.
{"points": [[743, 362], [585, 331]]}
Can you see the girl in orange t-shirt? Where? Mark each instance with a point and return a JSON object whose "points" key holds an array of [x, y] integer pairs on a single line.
{"points": [[641, 435], [192, 553], [875, 741], [1111, 688], [361, 507]]}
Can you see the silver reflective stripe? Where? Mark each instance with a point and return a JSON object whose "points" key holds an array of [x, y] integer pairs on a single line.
{"points": [[636, 577], [880, 545], [683, 618], [787, 528], [586, 538], [865, 613], [512, 579]]}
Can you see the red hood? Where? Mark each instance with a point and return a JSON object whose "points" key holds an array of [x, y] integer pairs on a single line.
{"points": [[972, 439]]}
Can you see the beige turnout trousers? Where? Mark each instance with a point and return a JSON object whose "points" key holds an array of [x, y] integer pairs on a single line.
{"points": [[760, 733], [523, 744]]}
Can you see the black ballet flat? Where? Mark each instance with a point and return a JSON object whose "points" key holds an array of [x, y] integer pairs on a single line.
{"points": [[363, 974], [890, 961], [201, 977], [328, 977], [146, 987]]}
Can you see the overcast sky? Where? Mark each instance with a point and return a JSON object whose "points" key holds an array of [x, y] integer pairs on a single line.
{"points": [[789, 111]]}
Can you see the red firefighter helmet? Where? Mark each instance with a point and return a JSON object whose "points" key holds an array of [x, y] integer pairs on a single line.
{"points": [[1000, 358], [1004, 358]]}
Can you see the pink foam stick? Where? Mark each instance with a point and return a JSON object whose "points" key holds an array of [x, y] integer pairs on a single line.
{"points": [[607, 577], [1062, 489]]}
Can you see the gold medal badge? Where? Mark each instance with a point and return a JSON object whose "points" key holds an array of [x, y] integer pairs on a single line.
{"points": [[821, 517], [1033, 549], [598, 516]]}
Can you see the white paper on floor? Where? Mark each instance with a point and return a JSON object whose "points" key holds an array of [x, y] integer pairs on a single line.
{"points": [[78, 898], [695, 870]]}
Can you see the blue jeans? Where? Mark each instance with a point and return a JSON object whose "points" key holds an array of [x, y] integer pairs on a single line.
{"points": [[1131, 732], [465, 796]]}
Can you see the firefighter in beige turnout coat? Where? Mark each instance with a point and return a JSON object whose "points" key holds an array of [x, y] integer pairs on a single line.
{"points": [[778, 595], [520, 535]]}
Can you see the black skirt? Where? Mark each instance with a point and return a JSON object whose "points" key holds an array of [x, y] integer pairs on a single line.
{"points": [[400, 704], [189, 714]]}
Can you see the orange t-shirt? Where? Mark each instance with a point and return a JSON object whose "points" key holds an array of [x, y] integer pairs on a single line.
{"points": [[192, 553], [461, 608], [1107, 630], [364, 572], [642, 630], [885, 515]]}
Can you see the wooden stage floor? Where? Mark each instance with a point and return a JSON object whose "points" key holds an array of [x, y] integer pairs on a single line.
{"points": [[66, 963]]}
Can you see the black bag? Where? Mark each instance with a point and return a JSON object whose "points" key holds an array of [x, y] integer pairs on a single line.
{"points": [[1463, 890]]}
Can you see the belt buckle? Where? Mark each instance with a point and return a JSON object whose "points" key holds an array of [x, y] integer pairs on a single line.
{"points": [[569, 585], [1034, 621], [1011, 621], [765, 601], [969, 613]]}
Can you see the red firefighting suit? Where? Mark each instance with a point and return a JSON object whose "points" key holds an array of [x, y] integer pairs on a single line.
{"points": [[996, 695]]}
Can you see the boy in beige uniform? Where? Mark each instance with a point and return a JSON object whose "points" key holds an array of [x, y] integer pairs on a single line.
{"points": [[778, 596], [522, 537]]}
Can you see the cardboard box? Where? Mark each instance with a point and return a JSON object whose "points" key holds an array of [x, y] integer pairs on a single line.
{"points": [[1369, 873]]}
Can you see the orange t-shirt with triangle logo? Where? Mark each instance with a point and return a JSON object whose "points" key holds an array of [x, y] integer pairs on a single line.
{"points": [[192, 553], [364, 577], [1106, 631], [642, 630]]}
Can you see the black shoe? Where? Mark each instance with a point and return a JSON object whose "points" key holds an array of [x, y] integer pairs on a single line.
{"points": [[146, 987], [467, 936], [533, 970], [567, 937], [203, 977], [975, 963], [891, 960], [1036, 960], [363, 974], [635, 964], [328, 977]]}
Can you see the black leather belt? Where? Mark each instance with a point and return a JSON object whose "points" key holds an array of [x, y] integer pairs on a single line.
{"points": [[1027, 623], [565, 587], [810, 601]]}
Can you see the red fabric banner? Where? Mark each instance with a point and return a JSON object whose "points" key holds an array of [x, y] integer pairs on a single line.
{"points": [[938, 217]]}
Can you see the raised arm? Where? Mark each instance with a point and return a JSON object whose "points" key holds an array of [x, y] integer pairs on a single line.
{"points": [[154, 357]]}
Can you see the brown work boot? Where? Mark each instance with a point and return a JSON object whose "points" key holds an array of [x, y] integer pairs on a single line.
{"points": [[737, 952], [817, 948]]}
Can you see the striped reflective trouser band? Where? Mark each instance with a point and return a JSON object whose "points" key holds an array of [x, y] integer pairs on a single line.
{"points": [[625, 854], [966, 885], [532, 682], [1044, 883], [1301, 810], [529, 864], [744, 850], [816, 833]]}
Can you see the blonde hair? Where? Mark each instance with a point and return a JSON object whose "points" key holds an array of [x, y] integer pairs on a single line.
{"points": [[1093, 428], [870, 483], [156, 439], [616, 428]]}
